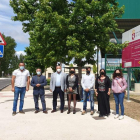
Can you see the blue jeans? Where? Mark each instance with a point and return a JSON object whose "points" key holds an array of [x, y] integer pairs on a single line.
{"points": [[21, 91], [119, 100], [85, 95]]}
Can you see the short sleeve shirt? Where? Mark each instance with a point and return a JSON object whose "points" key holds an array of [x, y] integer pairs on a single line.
{"points": [[21, 77]]}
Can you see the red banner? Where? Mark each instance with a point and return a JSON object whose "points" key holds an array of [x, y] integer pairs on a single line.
{"points": [[131, 55]]}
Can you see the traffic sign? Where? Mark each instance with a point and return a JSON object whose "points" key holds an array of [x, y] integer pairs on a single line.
{"points": [[2, 41], [1, 51]]}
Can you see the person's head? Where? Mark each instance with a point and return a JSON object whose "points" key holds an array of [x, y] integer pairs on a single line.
{"points": [[58, 68], [117, 73], [102, 72], [21, 66], [88, 69], [72, 71], [38, 71]]}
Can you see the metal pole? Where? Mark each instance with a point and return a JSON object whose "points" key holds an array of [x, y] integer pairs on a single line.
{"points": [[97, 63], [128, 84]]}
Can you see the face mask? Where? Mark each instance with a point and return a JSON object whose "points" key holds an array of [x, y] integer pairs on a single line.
{"points": [[38, 73], [102, 73], [21, 67], [88, 72], [58, 70], [71, 72], [118, 74]]}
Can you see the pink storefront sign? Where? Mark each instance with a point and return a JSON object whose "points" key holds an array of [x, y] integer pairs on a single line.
{"points": [[131, 55]]}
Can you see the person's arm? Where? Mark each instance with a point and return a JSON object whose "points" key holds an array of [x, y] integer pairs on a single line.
{"points": [[67, 83], [112, 86], [96, 86], [82, 83], [109, 86], [13, 82], [51, 83], [32, 83], [124, 84]]}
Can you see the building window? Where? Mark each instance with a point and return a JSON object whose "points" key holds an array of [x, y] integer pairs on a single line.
{"points": [[49, 75]]}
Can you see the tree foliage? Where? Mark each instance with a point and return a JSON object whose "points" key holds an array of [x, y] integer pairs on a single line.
{"points": [[60, 31], [9, 52]]}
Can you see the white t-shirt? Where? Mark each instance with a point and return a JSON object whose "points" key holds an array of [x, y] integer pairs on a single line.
{"points": [[21, 77]]}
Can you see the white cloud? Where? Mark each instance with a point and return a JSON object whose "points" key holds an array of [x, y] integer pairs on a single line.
{"points": [[9, 27], [18, 53]]}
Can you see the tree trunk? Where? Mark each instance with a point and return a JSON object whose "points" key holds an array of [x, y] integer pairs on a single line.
{"points": [[80, 77]]}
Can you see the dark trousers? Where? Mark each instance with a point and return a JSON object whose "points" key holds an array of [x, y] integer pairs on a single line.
{"points": [[55, 94], [36, 98]]}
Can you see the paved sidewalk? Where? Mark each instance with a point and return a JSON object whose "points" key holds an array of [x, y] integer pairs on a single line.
{"points": [[59, 126]]}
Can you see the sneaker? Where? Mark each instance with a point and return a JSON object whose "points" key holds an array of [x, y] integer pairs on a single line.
{"points": [[121, 117], [83, 113], [116, 116], [92, 112], [14, 113], [22, 112]]}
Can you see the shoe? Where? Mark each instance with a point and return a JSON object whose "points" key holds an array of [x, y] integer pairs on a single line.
{"points": [[68, 112], [53, 111], [116, 116], [83, 113], [45, 112], [61, 111], [92, 112], [14, 113], [36, 111], [22, 112], [74, 111], [121, 117]]}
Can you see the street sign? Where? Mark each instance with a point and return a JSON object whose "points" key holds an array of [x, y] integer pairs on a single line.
{"points": [[2, 41], [1, 51]]}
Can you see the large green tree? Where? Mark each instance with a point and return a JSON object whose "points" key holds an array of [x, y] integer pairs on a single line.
{"points": [[9, 52], [60, 31]]}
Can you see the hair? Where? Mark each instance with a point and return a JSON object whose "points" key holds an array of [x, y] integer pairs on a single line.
{"points": [[39, 69], [88, 68], [22, 63], [114, 74]]}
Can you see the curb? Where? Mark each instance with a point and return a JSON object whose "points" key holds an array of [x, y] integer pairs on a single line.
{"points": [[5, 87]]}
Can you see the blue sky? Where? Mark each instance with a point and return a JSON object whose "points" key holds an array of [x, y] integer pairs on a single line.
{"points": [[12, 28]]}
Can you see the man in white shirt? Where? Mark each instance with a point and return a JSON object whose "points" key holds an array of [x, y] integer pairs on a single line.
{"points": [[20, 78], [87, 83]]}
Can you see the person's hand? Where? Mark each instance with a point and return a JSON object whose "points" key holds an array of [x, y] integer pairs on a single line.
{"points": [[13, 89], [27, 89], [108, 93], [50, 90], [86, 89], [96, 93], [70, 89], [38, 85]]}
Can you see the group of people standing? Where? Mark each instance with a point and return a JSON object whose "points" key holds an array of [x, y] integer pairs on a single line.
{"points": [[61, 83]]}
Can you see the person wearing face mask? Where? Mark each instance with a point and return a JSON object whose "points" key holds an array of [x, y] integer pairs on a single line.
{"points": [[20, 84], [58, 86], [102, 91], [87, 83], [119, 85], [38, 82], [72, 84]]}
